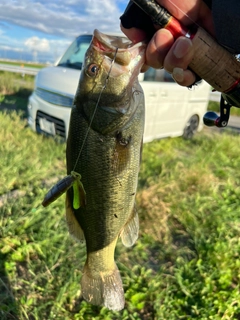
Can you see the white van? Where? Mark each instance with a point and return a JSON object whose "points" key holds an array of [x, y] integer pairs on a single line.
{"points": [[171, 110]]}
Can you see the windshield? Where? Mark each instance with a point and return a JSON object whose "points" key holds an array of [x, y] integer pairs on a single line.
{"points": [[74, 56]]}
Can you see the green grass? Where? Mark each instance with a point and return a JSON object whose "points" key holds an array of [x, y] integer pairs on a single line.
{"points": [[15, 90], [215, 106], [23, 63], [186, 262]]}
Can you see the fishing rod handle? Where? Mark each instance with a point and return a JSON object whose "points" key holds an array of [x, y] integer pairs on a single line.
{"points": [[211, 61]]}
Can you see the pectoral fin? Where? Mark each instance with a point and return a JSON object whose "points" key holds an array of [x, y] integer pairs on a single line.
{"points": [[79, 195], [73, 226], [129, 233]]}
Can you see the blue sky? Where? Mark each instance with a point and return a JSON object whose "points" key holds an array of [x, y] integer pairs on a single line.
{"points": [[44, 28]]}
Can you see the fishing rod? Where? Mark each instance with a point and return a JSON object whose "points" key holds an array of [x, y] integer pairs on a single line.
{"points": [[211, 61]]}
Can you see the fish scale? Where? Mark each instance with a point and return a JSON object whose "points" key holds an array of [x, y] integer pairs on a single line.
{"points": [[108, 163], [105, 187]]}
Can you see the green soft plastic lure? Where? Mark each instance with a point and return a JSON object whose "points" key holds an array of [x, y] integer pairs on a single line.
{"points": [[72, 180], [79, 194]]}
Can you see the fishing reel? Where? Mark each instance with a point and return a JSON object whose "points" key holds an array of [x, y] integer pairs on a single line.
{"points": [[232, 98], [227, 101], [211, 118]]}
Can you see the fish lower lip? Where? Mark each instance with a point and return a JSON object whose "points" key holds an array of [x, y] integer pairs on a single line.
{"points": [[114, 110]]}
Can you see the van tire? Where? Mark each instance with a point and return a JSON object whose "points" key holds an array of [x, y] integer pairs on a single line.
{"points": [[191, 127]]}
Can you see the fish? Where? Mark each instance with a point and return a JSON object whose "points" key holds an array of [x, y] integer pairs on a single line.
{"points": [[104, 147]]}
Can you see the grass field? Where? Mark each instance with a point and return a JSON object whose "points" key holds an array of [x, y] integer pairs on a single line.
{"points": [[186, 262]]}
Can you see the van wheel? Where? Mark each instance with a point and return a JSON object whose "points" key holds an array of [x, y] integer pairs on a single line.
{"points": [[191, 127]]}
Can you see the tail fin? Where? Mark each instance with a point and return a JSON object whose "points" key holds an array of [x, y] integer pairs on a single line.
{"points": [[106, 290]]}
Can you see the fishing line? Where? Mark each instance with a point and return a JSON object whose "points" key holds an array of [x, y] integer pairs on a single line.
{"points": [[105, 84], [95, 109], [186, 15]]}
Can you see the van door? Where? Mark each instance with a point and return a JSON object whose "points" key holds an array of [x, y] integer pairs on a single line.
{"points": [[166, 105]]}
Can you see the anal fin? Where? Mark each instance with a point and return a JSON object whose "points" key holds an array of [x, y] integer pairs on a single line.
{"points": [[129, 233], [74, 228]]}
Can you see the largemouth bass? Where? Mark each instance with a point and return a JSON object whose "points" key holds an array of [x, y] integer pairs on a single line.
{"points": [[104, 147]]}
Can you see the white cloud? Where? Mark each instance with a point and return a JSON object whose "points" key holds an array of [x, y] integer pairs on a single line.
{"points": [[5, 47], [34, 43], [48, 27], [65, 18]]}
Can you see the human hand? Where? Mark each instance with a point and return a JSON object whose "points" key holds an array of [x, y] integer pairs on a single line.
{"points": [[163, 50]]}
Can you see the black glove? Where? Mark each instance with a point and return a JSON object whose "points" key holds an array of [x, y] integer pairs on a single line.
{"points": [[133, 16]]}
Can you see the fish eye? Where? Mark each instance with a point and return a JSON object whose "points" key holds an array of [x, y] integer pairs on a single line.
{"points": [[92, 70]]}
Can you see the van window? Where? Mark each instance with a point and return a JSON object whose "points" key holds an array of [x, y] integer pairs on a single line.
{"points": [[74, 56], [159, 75]]}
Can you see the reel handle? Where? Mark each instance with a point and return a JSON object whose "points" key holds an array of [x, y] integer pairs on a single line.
{"points": [[212, 119]]}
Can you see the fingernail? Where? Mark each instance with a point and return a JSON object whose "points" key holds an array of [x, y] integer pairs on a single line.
{"points": [[182, 47], [177, 74]]}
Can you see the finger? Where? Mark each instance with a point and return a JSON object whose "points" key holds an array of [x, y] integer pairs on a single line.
{"points": [[144, 68], [205, 19], [190, 11], [180, 55], [183, 77], [158, 47], [178, 59], [185, 11]]}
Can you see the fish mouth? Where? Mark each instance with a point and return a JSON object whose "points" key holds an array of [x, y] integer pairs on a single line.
{"points": [[122, 59], [109, 43], [118, 47]]}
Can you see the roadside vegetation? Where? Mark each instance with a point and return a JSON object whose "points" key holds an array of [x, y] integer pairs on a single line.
{"points": [[15, 90], [214, 106], [23, 63], [186, 262]]}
